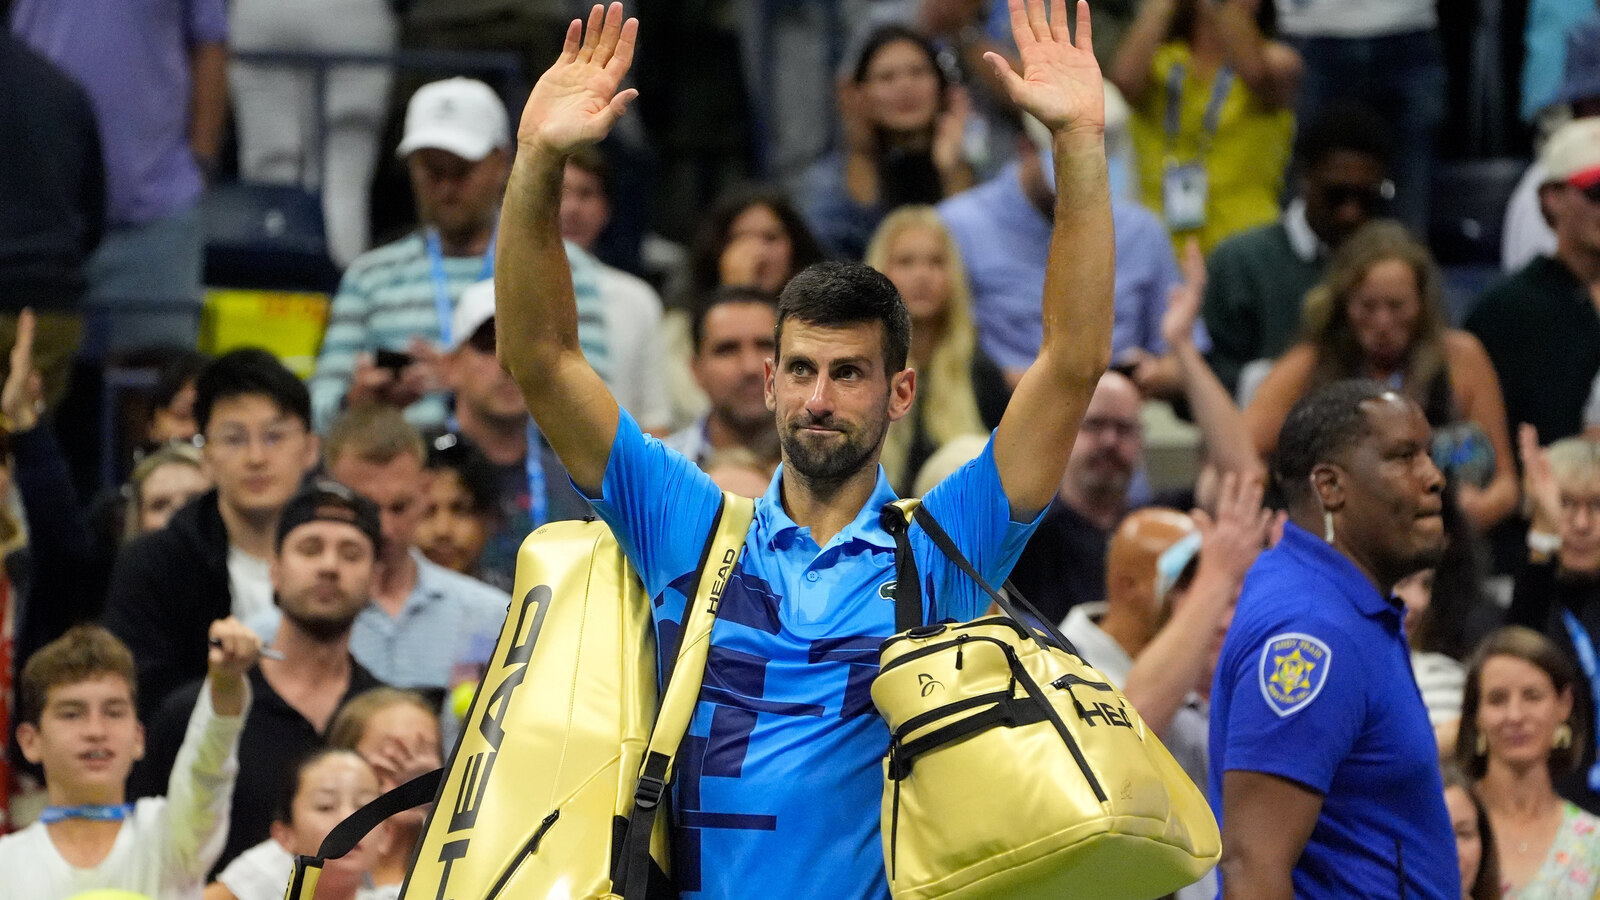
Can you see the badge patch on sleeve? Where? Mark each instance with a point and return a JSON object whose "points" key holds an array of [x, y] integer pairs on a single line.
{"points": [[1294, 667]]}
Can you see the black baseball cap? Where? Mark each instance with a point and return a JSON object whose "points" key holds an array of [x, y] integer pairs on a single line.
{"points": [[325, 500]]}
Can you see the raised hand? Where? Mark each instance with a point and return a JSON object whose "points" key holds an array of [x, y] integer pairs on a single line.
{"points": [[576, 100], [1060, 82], [234, 650], [950, 130], [1183, 301], [22, 398], [1232, 541], [1538, 482]]}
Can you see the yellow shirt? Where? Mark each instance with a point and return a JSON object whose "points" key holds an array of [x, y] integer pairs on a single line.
{"points": [[1244, 161]]}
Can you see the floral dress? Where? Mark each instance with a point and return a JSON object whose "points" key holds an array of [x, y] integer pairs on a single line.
{"points": [[1572, 867]]}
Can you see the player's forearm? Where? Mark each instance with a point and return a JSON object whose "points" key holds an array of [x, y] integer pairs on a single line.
{"points": [[536, 315], [1077, 306]]}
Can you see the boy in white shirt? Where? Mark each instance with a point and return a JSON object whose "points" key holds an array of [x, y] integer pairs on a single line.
{"points": [[79, 723]]}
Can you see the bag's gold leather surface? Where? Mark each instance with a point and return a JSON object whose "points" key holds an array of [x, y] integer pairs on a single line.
{"points": [[1033, 778]]}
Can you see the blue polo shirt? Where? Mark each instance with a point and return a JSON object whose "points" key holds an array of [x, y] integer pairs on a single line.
{"points": [[779, 781], [1315, 685]]}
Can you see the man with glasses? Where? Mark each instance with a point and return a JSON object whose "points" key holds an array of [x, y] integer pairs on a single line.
{"points": [[1541, 326], [1258, 278], [211, 561]]}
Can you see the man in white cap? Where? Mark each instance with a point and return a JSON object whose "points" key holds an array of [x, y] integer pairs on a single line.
{"points": [[395, 304], [490, 412], [1541, 326]]}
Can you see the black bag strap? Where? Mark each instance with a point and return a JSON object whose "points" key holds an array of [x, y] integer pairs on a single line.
{"points": [[348, 833], [895, 514], [907, 584]]}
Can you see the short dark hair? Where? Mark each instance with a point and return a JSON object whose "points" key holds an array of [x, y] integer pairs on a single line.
{"points": [[722, 296], [183, 367], [289, 781], [249, 371], [832, 294], [1344, 124], [458, 454], [1322, 425]]}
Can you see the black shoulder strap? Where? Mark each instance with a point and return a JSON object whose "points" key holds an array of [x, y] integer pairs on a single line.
{"points": [[937, 534], [345, 835]]}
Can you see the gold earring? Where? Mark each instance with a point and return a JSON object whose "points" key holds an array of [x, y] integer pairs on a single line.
{"points": [[1563, 737], [1482, 745], [1327, 526]]}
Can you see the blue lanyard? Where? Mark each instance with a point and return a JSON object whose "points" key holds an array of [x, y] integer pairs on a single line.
{"points": [[1586, 658], [533, 462], [54, 814], [442, 303], [538, 500], [1212, 119]]}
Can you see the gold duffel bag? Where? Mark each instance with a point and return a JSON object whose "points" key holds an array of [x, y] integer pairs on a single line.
{"points": [[1015, 769]]}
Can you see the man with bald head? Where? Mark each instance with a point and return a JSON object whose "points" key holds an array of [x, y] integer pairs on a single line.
{"points": [[1064, 563]]}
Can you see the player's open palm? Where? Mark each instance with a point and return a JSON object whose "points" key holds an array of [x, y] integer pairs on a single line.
{"points": [[576, 100], [1060, 83]]}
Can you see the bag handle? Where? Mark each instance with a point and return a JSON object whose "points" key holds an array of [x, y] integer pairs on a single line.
{"points": [[348, 833], [896, 518], [631, 874]]}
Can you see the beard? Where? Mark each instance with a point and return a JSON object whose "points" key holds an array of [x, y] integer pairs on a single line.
{"points": [[321, 625], [825, 459]]}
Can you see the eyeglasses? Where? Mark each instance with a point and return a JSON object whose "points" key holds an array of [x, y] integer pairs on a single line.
{"points": [[233, 441], [1370, 198]]}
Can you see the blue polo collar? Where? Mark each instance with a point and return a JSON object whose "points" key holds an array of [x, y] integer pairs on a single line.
{"points": [[776, 527], [1338, 568]]}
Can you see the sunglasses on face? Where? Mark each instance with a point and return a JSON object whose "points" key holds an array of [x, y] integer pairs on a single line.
{"points": [[1370, 198]]}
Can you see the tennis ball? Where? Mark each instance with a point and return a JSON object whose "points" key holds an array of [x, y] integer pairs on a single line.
{"points": [[461, 698]]}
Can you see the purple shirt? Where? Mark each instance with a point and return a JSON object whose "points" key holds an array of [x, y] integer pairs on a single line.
{"points": [[132, 57]]}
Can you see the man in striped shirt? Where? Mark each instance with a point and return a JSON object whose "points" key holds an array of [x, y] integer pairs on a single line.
{"points": [[400, 297]]}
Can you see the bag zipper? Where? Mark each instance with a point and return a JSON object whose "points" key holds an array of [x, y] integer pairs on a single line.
{"points": [[943, 646], [991, 620]]}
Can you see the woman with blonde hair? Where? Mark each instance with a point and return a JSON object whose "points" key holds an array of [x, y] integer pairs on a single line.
{"points": [[960, 390], [161, 483], [1524, 723], [1378, 313]]}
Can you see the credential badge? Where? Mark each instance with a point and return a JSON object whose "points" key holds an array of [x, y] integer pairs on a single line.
{"points": [[1294, 667]]}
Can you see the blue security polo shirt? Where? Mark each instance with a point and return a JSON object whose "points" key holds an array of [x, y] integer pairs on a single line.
{"points": [[779, 781], [1315, 685]]}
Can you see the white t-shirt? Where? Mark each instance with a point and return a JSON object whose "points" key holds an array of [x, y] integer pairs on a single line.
{"points": [[249, 584], [1101, 650], [263, 872], [165, 848], [1355, 18], [633, 328]]}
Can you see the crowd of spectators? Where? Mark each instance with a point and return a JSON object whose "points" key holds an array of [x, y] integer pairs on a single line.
{"points": [[1270, 171]]}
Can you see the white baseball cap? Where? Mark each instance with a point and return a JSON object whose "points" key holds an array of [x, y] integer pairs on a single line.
{"points": [[475, 307], [1573, 153], [457, 115]]}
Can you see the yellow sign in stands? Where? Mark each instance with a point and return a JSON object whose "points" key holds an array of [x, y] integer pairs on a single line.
{"points": [[290, 325]]}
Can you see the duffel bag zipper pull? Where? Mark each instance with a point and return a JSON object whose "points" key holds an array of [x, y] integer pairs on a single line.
{"points": [[962, 639]]}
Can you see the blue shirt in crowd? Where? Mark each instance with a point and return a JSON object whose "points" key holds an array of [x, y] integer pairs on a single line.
{"points": [[1005, 245], [779, 780], [1314, 685]]}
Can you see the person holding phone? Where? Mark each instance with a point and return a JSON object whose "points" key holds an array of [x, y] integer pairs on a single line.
{"points": [[903, 121]]}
